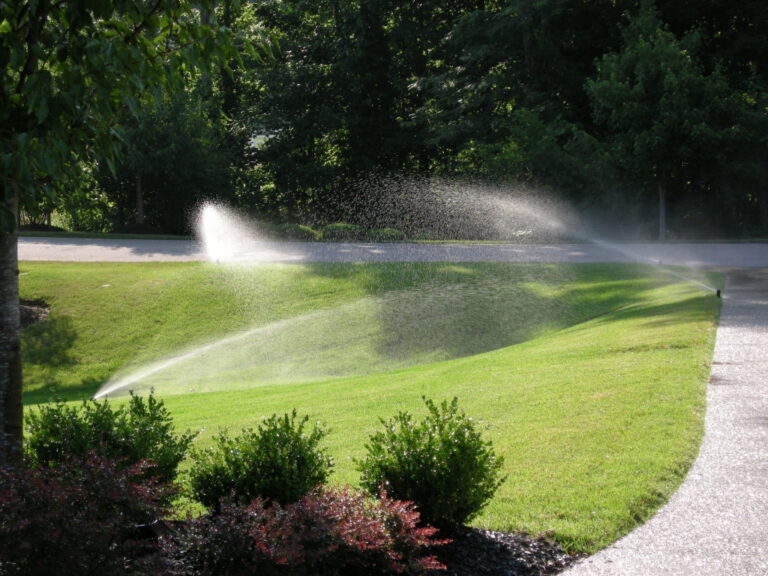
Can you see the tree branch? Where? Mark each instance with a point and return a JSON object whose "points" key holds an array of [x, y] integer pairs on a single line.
{"points": [[36, 24], [141, 25]]}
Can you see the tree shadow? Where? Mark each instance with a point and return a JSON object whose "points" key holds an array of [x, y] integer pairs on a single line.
{"points": [[440, 311], [53, 392], [692, 309], [49, 343]]}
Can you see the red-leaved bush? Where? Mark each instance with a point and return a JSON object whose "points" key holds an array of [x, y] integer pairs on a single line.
{"points": [[81, 518], [328, 532]]}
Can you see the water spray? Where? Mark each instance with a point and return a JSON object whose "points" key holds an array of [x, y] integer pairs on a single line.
{"points": [[124, 383], [229, 238], [657, 263]]}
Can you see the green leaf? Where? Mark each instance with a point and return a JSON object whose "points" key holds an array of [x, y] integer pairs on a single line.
{"points": [[111, 165], [41, 111]]}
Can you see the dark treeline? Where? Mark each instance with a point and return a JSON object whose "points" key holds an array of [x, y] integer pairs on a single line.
{"points": [[645, 115]]}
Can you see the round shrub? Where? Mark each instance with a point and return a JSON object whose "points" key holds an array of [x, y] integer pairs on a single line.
{"points": [[280, 461], [291, 231], [138, 431], [440, 463], [386, 235], [342, 231]]}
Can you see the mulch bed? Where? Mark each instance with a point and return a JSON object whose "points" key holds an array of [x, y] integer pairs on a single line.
{"points": [[32, 311], [475, 552]]}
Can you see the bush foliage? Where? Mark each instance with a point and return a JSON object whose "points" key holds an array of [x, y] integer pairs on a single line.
{"points": [[281, 460], [440, 463], [328, 532], [291, 231], [80, 518], [386, 235], [342, 231], [141, 430]]}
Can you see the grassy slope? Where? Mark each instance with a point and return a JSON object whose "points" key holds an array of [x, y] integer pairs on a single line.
{"points": [[597, 423], [597, 418], [108, 316]]}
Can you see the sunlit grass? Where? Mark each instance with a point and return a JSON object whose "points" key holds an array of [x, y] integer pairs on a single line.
{"points": [[312, 322], [595, 396]]}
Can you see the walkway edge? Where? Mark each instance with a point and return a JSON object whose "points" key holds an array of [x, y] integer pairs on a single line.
{"points": [[717, 521]]}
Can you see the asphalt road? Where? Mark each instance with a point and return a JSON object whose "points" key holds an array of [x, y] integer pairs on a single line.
{"points": [[116, 250]]}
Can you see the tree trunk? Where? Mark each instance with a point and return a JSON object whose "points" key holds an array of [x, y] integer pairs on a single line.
{"points": [[228, 96], [662, 212], [139, 200], [10, 348], [762, 205], [527, 26]]}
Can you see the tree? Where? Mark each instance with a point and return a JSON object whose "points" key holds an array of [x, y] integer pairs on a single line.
{"points": [[371, 126], [293, 102], [69, 69], [174, 158], [663, 119]]}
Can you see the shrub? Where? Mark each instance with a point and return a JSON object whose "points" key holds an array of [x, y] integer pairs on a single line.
{"points": [[81, 518], [292, 231], [386, 235], [441, 464], [327, 532], [138, 431], [342, 231], [280, 460]]}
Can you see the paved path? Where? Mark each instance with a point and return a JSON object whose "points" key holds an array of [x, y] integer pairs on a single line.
{"points": [[716, 524], [116, 250]]}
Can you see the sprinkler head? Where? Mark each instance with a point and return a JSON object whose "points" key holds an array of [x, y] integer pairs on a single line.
{"points": [[718, 293]]}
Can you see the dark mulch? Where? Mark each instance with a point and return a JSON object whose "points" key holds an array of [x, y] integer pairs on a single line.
{"points": [[475, 552], [32, 311], [472, 552]]}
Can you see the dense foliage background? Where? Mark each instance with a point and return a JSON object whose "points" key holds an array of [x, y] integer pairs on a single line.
{"points": [[611, 105]]}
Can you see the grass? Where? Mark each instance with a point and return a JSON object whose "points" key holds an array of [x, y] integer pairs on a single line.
{"points": [[589, 378]]}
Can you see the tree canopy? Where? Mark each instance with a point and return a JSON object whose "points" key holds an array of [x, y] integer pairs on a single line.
{"points": [[70, 70], [602, 103], [665, 122]]}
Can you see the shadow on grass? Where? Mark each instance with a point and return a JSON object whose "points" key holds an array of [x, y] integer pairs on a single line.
{"points": [[689, 310], [52, 391], [457, 310], [49, 343]]}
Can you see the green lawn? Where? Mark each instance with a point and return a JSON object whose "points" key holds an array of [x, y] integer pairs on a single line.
{"points": [[590, 378]]}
